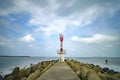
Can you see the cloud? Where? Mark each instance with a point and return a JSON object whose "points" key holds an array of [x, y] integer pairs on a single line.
{"points": [[55, 16], [75, 38], [27, 38], [52, 26], [97, 38], [4, 41], [55, 23]]}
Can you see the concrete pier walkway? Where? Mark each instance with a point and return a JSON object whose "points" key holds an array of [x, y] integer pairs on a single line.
{"points": [[59, 71]]}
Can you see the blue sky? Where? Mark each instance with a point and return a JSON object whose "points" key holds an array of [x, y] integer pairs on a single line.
{"points": [[91, 28]]}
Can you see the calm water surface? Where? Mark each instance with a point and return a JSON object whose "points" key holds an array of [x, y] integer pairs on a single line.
{"points": [[7, 64]]}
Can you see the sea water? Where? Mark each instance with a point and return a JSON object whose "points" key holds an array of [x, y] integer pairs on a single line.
{"points": [[7, 64], [113, 63]]}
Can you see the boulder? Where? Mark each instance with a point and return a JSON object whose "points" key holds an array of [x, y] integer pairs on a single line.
{"points": [[24, 78], [1, 78], [22, 73], [108, 71], [112, 78], [103, 76], [6, 76], [34, 76], [83, 73], [74, 65], [92, 75], [37, 73], [105, 69], [28, 72], [117, 75], [78, 73], [106, 76], [97, 69], [39, 66], [31, 76], [44, 64], [16, 71], [88, 65], [10, 77]]}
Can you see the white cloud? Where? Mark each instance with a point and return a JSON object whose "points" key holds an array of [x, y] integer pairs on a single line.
{"points": [[57, 25], [50, 17], [75, 38], [27, 38], [97, 38], [50, 23], [53, 23]]}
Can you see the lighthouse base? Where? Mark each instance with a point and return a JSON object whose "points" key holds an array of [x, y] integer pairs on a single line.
{"points": [[61, 54], [61, 57]]}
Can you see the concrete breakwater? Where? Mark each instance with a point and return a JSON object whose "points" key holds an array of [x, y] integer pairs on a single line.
{"points": [[92, 72], [59, 71], [30, 73]]}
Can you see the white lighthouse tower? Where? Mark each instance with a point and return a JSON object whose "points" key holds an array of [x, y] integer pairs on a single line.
{"points": [[61, 52]]}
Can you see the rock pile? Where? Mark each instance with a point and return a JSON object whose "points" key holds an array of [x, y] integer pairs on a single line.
{"points": [[30, 73], [92, 72]]}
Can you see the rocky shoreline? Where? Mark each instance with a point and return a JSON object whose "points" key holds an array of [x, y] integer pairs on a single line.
{"points": [[30, 73], [84, 71], [93, 72]]}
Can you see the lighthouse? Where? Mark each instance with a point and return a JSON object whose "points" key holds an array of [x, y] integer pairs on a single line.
{"points": [[61, 52]]}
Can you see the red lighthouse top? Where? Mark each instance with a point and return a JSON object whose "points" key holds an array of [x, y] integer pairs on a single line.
{"points": [[61, 38]]}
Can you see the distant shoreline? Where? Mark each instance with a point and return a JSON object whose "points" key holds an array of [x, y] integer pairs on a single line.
{"points": [[56, 56], [14, 56]]}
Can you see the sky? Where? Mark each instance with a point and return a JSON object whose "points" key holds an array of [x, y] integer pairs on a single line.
{"points": [[91, 28]]}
